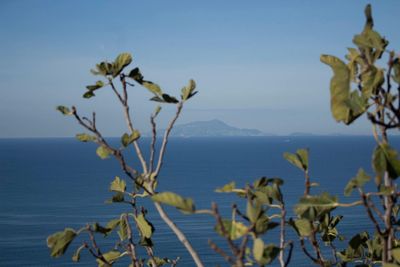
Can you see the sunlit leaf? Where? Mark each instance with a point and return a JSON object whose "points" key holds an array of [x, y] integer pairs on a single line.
{"points": [[103, 152], [340, 88], [169, 198], [120, 63], [118, 185], [110, 257], [233, 229], [145, 227], [128, 139], [85, 137]]}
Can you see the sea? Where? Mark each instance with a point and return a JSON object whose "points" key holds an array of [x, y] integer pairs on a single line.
{"points": [[49, 184]]}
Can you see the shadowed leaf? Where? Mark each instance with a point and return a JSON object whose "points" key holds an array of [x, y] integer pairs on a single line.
{"points": [[59, 242]]}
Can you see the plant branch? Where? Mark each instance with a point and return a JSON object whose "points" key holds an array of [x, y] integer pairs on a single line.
{"points": [[165, 138], [181, 236]]}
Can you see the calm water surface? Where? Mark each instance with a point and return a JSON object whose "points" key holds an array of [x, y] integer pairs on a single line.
{"points": [[49, 184]]}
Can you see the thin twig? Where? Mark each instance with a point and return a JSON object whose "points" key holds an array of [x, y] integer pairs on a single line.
{"points": [[282, 235], [221, 252], [182, 238], [128, 120], [179, 107]]}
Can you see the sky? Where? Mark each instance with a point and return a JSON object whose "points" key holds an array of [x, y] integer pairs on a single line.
{"points": [[256, 63]]}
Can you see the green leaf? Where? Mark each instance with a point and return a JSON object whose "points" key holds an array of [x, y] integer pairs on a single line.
{"points": [[293, 159], [85, 137], [98, 85], [169, 198], [357, 182], [110, 257], [136, 75], [64, 110], [303, 155], [188, 91], [303, 227], [253, 211], [88, 94], [103, 69], [111, 225], [152, 87], [264, 254], [145, 227], [59, 242], [396, 254], [157, 111], [117, 198], [103, 152], [258, 249], [313, 207], [169, 99], [158, 261], [384, 159], [396, 71], [120, 63], [300, 159], [340, 88], [127, 139], [123, 228], [118, 185], [372, 80], [228, 188], [233, 229]]}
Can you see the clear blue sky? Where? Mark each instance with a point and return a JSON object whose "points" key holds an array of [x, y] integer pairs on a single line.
{"points": [[256, 63]]}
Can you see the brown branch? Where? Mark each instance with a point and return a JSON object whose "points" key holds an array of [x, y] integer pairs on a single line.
{"points": [[94, 245], [218, 218], [91, 126], [315, 245], [179, 234], [282, 236], [303, 247], [131, 245], [165, 138], [370, 214], [307, 183], [128, 120], [153, 142], [221, 252]]}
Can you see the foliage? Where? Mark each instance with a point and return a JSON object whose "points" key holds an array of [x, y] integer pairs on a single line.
{"points": [[358, 86]]}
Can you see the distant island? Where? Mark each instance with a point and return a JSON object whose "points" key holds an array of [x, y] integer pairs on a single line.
{"points": [[212, 128]]}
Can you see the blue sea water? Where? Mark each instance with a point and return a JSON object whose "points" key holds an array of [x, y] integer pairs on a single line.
{"points": [[49, 184]]}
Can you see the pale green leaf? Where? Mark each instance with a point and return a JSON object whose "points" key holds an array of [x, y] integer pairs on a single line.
{"points": [[128, 139], [226, 188], [85, 137], [118, 185], [233, 229], [103, 152], [110, 257], [120, 63], [145, 227], [64, 110], [340, 88], [169, 198]]}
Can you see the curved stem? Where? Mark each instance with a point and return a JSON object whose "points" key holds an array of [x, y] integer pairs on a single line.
{"points": [[181, 236]]}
